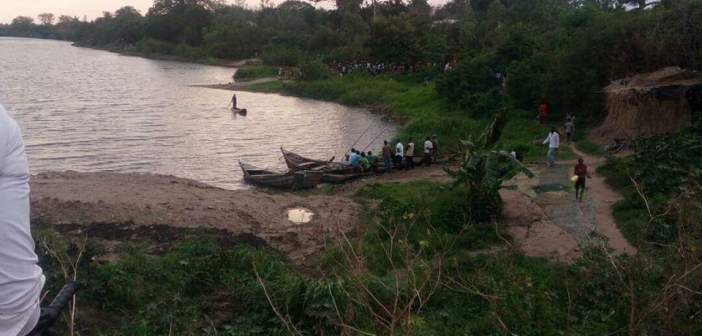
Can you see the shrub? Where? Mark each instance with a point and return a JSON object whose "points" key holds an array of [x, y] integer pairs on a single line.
{"points": [[282, 56], [313, 70], [254, 72], [154, 46]]}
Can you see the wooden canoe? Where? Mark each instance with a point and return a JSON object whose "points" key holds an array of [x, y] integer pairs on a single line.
{"points": [[291, 180], [341, 178], [239, 111], [298, 162]]}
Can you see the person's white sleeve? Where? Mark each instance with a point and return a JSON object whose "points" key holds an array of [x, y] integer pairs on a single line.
{"points": [[547, 139], [21, 279]]}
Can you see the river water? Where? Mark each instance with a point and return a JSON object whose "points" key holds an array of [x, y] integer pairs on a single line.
{"points": [[88, 110]]}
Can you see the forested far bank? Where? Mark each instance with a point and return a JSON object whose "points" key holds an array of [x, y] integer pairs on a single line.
{"points": [[558, 51]]}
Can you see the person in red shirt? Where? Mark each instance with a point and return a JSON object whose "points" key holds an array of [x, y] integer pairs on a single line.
{"points": [[581, 173], [543, 112]]}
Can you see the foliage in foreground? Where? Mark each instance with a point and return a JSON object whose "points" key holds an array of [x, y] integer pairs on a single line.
{"points": [[484, 169], [419, 268]]}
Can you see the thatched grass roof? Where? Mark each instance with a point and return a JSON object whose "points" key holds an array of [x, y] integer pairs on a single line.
{"points": [[669, 76]]}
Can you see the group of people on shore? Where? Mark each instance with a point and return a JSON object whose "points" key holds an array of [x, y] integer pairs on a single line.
{"points": [[401, 157], [404, 156], [379, 68]]}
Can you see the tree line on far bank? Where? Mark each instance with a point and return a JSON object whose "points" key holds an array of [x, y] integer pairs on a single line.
{"points": [[561, 51]]}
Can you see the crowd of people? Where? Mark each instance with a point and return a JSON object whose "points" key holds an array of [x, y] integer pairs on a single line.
{"points": [[401, 156], [379, 68]]}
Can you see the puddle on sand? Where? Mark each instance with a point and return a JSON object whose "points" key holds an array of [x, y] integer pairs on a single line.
{"points": [[300, 215]]}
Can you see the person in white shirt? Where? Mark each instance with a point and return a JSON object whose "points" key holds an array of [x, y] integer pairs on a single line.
{"points": [[409, 154], [21, 279], [428, 151], [399, 154], [554, 141]]}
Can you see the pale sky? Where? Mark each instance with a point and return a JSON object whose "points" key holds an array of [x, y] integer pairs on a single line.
{"points": [[9, 9]]}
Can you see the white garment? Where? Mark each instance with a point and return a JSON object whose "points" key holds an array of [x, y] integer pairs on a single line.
{"points": [[399, 149], [553, 140], [21, 279], [428, 147], [410, 149]]}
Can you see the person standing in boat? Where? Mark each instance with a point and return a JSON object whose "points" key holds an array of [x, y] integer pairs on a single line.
{"points": [[409, 154], [234, 102], [387, 156]]}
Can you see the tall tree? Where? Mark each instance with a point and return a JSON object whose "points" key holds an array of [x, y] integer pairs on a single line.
{"points": [[46, 19]]}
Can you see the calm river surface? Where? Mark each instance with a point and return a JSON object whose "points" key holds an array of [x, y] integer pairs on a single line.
{"points": [[89, 110]]}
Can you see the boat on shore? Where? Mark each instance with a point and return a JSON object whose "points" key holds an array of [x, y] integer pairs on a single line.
{"points": [[298, 162], [292, 180]]}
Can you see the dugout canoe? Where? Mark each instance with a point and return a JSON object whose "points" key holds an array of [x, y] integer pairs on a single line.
{"points": [[292, 180], [298, 162]]}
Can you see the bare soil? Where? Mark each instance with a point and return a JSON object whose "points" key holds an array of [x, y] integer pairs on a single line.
{"points": [[112, 207], [105, 203]]}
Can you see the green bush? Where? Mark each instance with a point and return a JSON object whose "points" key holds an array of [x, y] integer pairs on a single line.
{"points": [[282, 56], [254, 72], [314, 70], [154, 46]]}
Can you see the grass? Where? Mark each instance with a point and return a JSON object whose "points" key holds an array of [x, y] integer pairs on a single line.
{"points": [[419, 108], [251, 72], [590, 148]]}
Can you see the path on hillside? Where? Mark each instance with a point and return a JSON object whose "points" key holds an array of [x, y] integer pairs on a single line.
{"points": [[547, 221]]}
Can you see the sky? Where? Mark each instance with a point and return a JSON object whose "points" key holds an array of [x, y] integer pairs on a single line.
{"points": [[9, 9]]}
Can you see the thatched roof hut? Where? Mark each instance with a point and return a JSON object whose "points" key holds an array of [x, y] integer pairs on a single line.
{"points": [[646, 105]]}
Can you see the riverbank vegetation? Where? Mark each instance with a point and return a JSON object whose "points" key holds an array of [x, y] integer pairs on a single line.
{"points": [[426, 261]]}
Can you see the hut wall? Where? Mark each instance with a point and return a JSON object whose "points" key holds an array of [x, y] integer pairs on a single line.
{"points": [[634, 114]]}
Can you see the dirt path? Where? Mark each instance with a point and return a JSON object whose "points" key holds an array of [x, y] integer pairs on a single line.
{"points": [[547, 221], [603, 198]]}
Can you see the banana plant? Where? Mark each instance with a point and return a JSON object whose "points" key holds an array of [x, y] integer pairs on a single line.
{"points": [[484, 169]]}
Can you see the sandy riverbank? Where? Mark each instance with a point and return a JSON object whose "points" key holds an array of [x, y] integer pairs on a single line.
{"points": [[127, 206]]}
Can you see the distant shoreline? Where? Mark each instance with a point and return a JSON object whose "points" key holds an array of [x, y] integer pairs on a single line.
{"points": [[165, 57]]}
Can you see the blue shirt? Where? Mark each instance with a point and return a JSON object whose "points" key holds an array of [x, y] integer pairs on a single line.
{"points": [[355, 159]]}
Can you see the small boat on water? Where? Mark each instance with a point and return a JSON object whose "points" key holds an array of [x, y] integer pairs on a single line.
{"points": [[239, 111], [292, 180]]}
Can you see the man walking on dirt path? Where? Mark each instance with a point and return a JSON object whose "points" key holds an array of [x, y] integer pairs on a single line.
{"points": [[582, 175], [543, 112], [569, 129], [553, 141], [21, 279]]}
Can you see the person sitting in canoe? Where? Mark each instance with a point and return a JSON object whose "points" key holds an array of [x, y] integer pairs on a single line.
{"points": [[355, 158], [365, 164], [371, 158]]}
